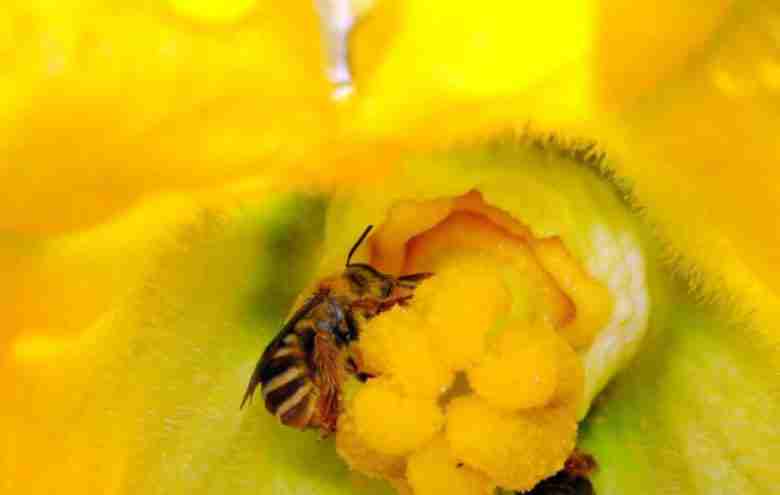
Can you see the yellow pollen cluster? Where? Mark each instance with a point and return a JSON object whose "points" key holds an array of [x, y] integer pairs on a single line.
{"points": [[458, 308], [510, 423], [521, 373], [412, 364], [434, 470], [516, 450], [393, 423], [477, 383]]}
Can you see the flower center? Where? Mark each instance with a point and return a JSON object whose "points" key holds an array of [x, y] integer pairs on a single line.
{"points": [[478, 382]]}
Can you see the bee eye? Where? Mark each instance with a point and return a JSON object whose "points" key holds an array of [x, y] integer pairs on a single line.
{"points": [[357, 280], [387, 289]]}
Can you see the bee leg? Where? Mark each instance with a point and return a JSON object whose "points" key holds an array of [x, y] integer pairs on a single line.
{"points": [[371, 305], [353, 369], [329, 376], [327, 414], [413, 280], [355, 365], [329, 425], [329, 408], [580, 464], [364, 377], [401, 300], [368, 307]]}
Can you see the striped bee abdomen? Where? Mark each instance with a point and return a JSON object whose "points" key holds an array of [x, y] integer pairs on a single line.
{"points": [[286, 382]]}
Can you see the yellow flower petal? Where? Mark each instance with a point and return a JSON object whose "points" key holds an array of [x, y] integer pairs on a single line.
{"points": [[701, 153], [167, 317], [99, 109], [102, 103], [414, 61], [207, 11], [638, 44]]}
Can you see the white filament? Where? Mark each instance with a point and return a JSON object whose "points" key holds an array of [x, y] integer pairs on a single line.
{"points": [[619, 263]]}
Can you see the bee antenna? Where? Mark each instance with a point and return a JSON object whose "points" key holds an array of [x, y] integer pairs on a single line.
{"points": [[358, 243]]}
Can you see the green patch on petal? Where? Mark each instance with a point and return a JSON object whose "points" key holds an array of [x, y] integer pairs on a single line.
{"points": [[147, 399], [698, 412], [292, 229]]}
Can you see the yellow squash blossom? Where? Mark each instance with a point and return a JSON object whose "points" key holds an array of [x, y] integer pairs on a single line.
{"points": [[174, 174]]}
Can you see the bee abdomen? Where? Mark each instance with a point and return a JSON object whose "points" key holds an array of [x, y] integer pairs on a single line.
{"points": [[286, 385], [298, 409], [275, 367], [277, 400], [291, 401]]}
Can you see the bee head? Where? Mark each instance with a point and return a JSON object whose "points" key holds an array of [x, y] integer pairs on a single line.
{"points": [[366, 281], [363, 279]]}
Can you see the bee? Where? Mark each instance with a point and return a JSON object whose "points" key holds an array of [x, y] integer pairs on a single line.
{"points": [[301, 371]]}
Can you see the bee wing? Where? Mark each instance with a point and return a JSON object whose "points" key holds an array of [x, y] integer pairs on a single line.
{"points": [[255, 380]]}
